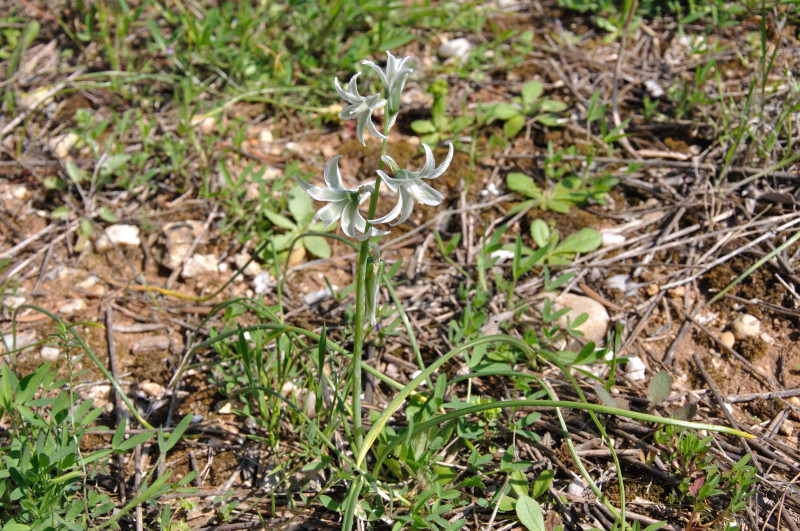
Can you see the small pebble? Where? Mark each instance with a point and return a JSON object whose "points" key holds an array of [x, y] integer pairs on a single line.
{"points": [[120, 235], [745, 325], [635, 369], [651, 289], [727, 338], [678, 292], [199, 265], [151, 344], [50, 353], [610, 239], [72, 306], [576, 487], [457, 48], [151, 389]]}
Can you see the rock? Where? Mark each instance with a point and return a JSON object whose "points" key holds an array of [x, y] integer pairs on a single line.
{"points": [[50, 353], [745, 326], [72, 306], [262, 283], [119, 235], [151, 344], [576, 487], [199, 265], [178, 238], [595, 327], [727, 338], [678, 292], [456, 49], [610, 239], [317, 296], [13, 302], [151, 389], [635, 369], [24, 339], [250, 270], [651, 289], [63, 144]]}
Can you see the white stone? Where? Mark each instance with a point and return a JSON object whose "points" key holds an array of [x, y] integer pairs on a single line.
{"points": [[250, 270], [63, 144], [13, 302], [99, 391], [88, 282], [151, 344], [595, 327], [120, 235], [501, 255], [745, 325], [635, 369], [199, 265], [50, 353], [24, 339], [576, 487], [317, 296], [654, 88], [151, 389], [611, 239], [262, 283], [179, 237], [457, 48], [72, 306]]}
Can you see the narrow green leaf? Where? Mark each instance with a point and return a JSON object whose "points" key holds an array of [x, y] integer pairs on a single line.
{"points": [[519, 483], [132, 442], [177, 433]]}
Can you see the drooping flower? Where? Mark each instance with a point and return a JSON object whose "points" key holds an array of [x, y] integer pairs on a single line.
{"points": [[394, 79], [343, 202], [410, 188], [360, 108]]}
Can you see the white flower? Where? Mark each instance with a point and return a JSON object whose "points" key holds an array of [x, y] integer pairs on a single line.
{"points": [[394, 78], [410, 188], [360, 108], [343, 202]]}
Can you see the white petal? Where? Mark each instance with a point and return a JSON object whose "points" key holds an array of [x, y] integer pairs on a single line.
{"points": [[349, 220], [427, 195], [443, 166], [331, 212], [408, 206], [333, 176], [391, 215]]}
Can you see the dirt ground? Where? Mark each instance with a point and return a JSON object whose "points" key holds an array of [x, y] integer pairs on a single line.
{"points": [[683, 240]]}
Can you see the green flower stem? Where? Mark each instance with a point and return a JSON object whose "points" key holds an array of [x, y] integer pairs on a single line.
{"points": [[360, 332]]}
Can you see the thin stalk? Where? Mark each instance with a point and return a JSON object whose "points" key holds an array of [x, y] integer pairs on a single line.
{"points": [[361, 274]]}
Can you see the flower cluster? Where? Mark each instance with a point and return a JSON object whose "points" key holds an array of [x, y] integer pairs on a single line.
{"points": [[343, 203]]}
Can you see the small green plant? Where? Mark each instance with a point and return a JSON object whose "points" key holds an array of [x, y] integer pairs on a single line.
{"points": [[555, 252], [530, 105], [440, 127], [714, 494]]}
